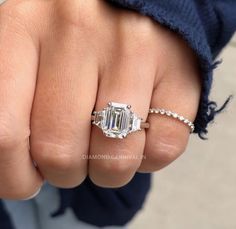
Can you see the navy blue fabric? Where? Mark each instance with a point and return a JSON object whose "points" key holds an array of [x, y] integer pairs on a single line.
{"points": [[110, 206], [207, 26], [5, 221], [106, 206]]}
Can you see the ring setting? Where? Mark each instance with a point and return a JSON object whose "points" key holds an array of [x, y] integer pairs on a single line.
{"points": [[117, 120]]}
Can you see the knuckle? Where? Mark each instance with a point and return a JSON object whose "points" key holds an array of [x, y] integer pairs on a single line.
{"points": [[144, 31], [75, 13], [117, 167], [62, 162], [139, 47], [8, 138], [24, 18], [109, 183], [141, 43], [54, 157], [164, 151], [15, 12], [10, 135], [17, 18], [144, 38], [113, 171]]}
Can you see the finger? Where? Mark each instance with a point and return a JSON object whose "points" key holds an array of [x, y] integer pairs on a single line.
{"points": [[167, 138], [19, 178], [61, 115], [120, 158]]}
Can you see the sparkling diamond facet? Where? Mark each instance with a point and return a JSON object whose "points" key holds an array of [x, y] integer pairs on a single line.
{"points": [[162, 111], [175, 115], [168, 113], [181, 118], [118, 120]]}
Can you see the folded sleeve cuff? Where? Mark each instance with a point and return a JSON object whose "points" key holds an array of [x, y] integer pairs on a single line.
{"points": [[186, 18]]}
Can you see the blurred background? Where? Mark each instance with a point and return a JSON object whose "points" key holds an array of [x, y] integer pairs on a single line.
{"points": [[199, 189]]}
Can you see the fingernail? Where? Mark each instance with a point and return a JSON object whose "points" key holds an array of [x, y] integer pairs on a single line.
{"points": [[34, 195]]}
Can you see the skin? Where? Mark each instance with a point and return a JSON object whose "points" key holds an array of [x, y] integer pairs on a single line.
{"points": [[59, 61]]}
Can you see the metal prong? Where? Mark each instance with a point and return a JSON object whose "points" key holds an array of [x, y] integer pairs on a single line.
{"points": [[109, 104], [129, 106]]}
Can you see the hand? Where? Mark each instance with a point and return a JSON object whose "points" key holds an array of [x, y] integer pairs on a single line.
{"points": [[59, 61]]}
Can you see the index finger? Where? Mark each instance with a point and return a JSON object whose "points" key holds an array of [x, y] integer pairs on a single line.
{"points": [[19, 178]]}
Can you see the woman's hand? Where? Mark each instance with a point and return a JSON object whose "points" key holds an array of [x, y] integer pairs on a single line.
{"points": [[60, 60]]}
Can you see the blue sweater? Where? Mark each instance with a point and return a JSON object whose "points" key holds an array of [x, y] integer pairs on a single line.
{"points": [[207, 26]]}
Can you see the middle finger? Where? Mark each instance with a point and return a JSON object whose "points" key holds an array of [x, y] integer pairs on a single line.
{"points": [[114, 161], [64, 99]]}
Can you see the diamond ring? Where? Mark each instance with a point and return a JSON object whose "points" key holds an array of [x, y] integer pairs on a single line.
{"points": [[173, 115], [117, 120]]}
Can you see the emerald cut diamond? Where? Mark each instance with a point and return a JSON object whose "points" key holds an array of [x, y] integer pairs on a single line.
{"points": [[117, 120]]}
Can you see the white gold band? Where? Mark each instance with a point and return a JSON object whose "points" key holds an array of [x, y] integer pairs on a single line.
{"points": [[173, 115]]}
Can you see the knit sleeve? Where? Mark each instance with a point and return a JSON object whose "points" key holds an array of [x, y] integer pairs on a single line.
{"points": [[207, 26]]}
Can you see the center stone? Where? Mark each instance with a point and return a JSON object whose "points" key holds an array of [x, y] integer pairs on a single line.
{"points": [[117, 120]]}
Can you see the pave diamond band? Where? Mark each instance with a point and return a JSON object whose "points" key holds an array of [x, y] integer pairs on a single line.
{"points": [[117, 120], [173, 115]]}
